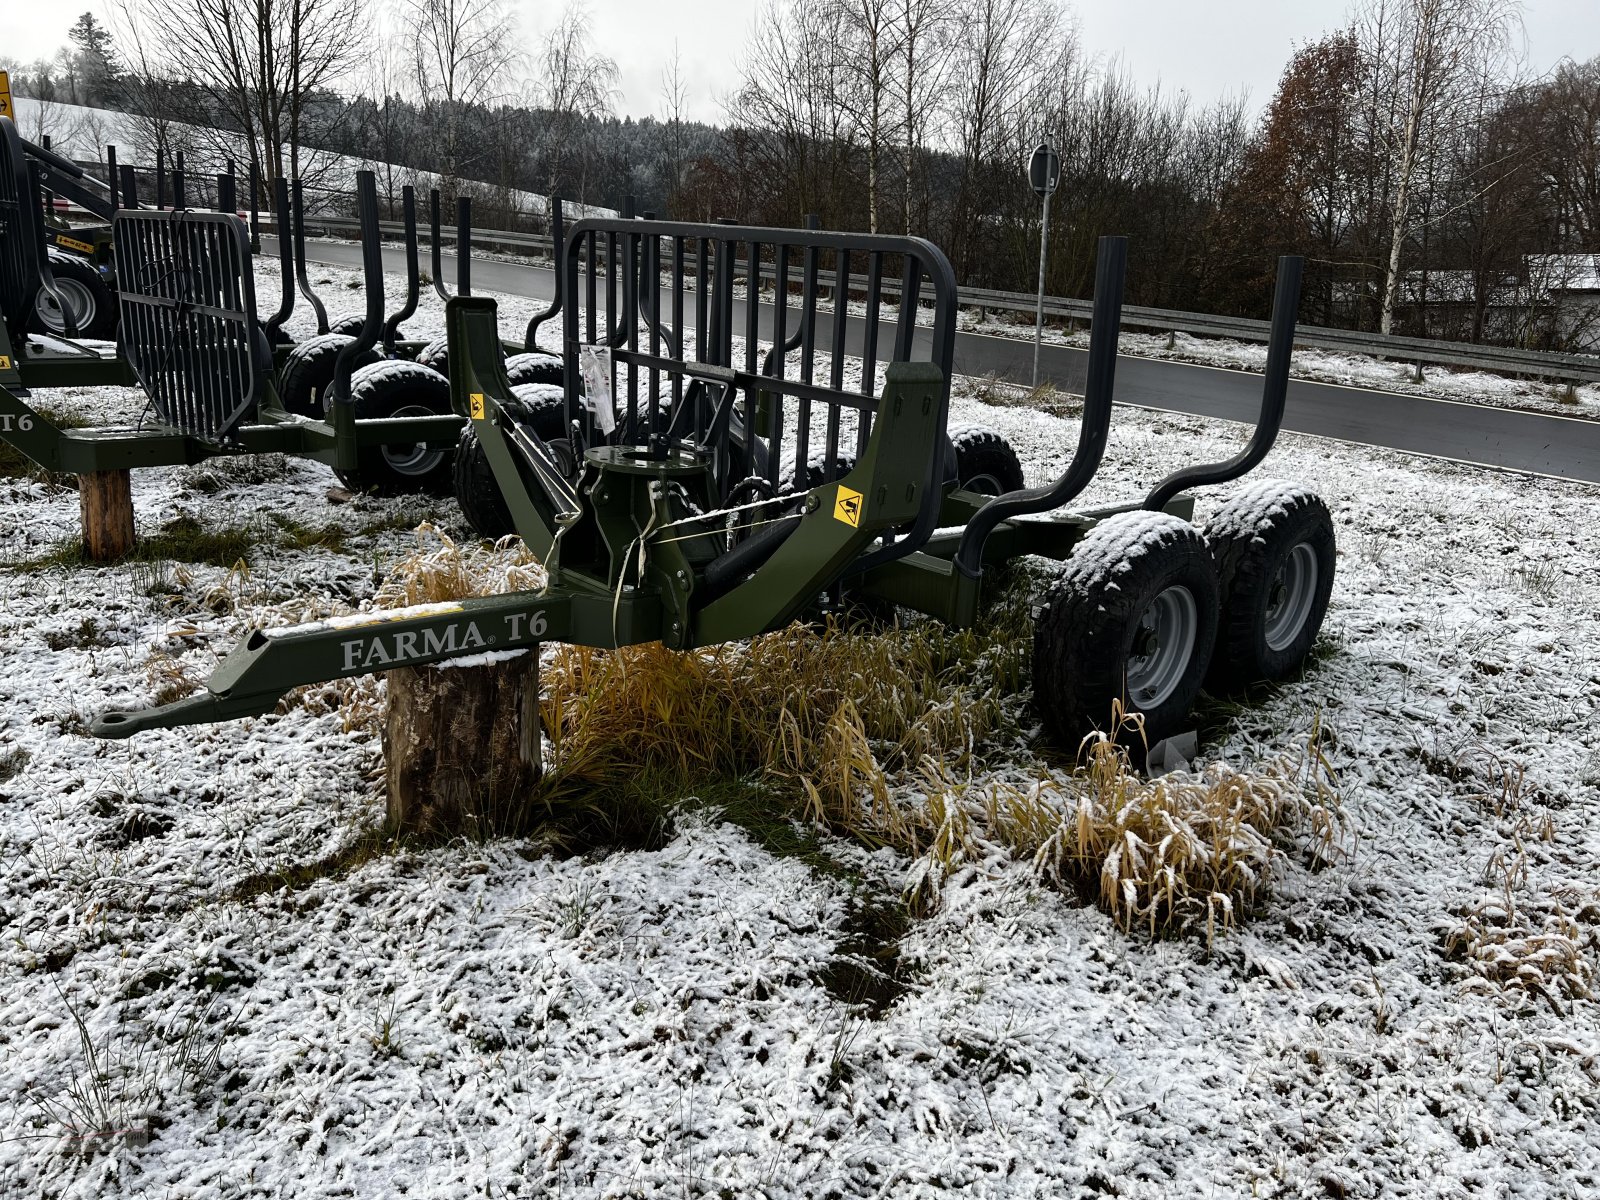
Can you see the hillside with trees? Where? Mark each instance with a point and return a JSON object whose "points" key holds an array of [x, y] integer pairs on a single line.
{"points": [[1433, 187]]}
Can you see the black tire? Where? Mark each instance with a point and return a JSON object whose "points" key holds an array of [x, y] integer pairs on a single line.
{"points": [[535, 367], [436, 356], [275, 335], [985, 462], [1274, 549], [307, 372], [541, 407], [477, 490], [1087, 637], [844, 463], [94, 309], [351, 324], [399, 388]]}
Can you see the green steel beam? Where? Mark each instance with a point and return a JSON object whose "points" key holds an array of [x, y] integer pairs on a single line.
{"points": [[882, 491]]}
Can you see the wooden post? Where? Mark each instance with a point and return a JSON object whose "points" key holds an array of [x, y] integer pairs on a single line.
{"points": [[462, 748], [105, 500]]}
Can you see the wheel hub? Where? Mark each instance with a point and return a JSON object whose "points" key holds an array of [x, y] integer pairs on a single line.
{"points": [[1290, 598], [412, 458], [1146, 642], [78, 300], [1163, 646]]}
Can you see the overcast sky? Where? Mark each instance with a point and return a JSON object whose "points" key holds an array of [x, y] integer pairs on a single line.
{"points": [[1207, 47]]}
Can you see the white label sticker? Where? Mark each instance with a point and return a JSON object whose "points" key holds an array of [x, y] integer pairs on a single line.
{"points": [[595, 364]]}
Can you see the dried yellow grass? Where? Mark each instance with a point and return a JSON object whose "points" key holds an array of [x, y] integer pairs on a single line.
{"points": [[834, 710], [1181, 852], [1523, 937], [871, 732], [440, 570]]}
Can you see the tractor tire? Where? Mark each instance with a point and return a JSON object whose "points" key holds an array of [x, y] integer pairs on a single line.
{"points": [[540, 408], [351, 324], [275, 335], [399, 389], [436, 356], [477, 490], [1274, 549], [1132, 618], [308, 372], [535, 367], [845, 462], [94, 309], [985, 462]]}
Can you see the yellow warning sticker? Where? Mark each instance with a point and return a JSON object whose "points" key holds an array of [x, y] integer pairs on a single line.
{"points": [[847, 507], [5, 97], [75, 244], [477, 406], [5, 363]]}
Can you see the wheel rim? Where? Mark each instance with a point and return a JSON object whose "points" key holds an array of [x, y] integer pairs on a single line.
{"points": [[1163, 646], [984, 484], [76, 295], [412, 458], [1290, 597]]}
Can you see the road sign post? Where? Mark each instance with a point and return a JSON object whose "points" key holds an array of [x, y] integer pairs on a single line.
{"points": [[1044, 173]]}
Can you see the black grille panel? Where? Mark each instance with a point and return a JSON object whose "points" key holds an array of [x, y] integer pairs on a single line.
{"points": [[21, 232], [766, 345], [189, 318]]}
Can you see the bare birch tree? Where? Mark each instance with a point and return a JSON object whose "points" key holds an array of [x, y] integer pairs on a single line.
{"points": [[796, 108], [674, 96], [256, 64], [384, 121], [1422, 56], [1006, 52], [926, 33], [867, 65], [576, 84], [465, 54]]}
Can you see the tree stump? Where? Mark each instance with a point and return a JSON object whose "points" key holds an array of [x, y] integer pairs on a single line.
{"points": [[105, 501], [462, 748]]}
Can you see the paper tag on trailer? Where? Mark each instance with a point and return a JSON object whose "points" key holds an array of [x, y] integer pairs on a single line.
{"points": [[594, 362]]}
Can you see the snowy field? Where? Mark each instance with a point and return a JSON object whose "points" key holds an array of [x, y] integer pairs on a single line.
{"points": [[482, 1020], [82, 134], [1325, 366], [1321, 366]]}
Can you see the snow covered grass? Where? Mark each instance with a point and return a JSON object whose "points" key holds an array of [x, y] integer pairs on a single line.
{"points": [[1463, 385], [1323, 366], [204, 928]]}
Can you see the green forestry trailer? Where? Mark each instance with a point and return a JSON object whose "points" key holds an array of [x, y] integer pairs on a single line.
{"points": [[729, 463], [222, 381]]}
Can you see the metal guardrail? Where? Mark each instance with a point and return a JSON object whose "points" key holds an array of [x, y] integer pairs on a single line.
{"points": [[1564, 368], [1583, 368]]}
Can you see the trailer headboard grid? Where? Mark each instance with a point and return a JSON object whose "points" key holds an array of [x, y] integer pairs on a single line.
{"points": [[21, 233], [189, 318], [697, 314]]}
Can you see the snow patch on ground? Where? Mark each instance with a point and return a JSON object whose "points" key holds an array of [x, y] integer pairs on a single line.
{"points": [[467, 1021], [1328, 366]]}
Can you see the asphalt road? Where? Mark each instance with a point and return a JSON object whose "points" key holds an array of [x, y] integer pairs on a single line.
{"points": [[1566, 447]]}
